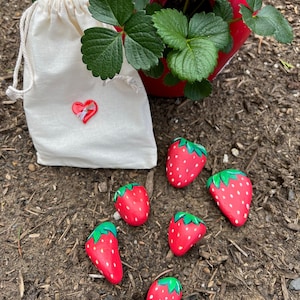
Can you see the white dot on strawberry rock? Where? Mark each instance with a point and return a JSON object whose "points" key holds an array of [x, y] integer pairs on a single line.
{"points": [[189, 237], [180, 176], [187, 229], [195, 229], [247, 193], [127, 207], [218, 203], [236, 221], [177, 169], [196, 165], [151, 297], [172, 179], [111, 276], [222, 189], [238, 212], [172, 230], [187, 170], [140, 209], [168, 157], [115, 265], [171, 165], [107, 264], [126, 217], [97, 262], [217, 197], [112, 251], [102, 240], [171, 173], [231, 196], [238, 192], [176, 156], [101, 250], [179, 184], [178, 224], [180, 248], [184, 161], [247, 206], [192, 175], [171, 241], [178, 234], [147, 215], [232, 185], [88, 246], [224, 197], [247, 183], [245, 216], [136, 219], [94, 248], [110, 241], [241, 184], [183, 150], [199, 235], [156, 288], [243, 202], [230, 205]]}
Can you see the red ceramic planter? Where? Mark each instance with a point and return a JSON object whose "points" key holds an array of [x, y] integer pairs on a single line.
{"points": [[239, 32]]}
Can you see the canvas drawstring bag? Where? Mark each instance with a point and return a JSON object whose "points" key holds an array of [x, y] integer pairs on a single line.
{"points": [[75, 119]]}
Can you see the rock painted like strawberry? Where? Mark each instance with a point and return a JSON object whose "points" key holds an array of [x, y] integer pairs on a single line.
{"points": [[185, 160], [167, 288], [232, 191], [185, 230], [102, 249], [132, 203]]}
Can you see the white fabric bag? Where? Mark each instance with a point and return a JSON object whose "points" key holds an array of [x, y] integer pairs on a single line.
{"points": [[75, 119]]}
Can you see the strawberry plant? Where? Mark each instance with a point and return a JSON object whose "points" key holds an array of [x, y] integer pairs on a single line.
{"points": [[188, 34], [232, 191], [185, 230], [102, 249], [132, 203]]}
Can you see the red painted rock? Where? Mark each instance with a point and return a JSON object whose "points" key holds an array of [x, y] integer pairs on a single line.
{"points": [[132, 203], [232, 191], [185, 161], [102, 249], [84, 111], [167, 288], [185, 230]]}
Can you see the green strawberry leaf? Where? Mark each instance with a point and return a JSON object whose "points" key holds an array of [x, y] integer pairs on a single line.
{"points": [[111, 12], [172, 283], [172, 26], [187, 218], [103, 228], [195, 62], [102, 51], [155, 71], [122, 190], [198, 90], [223, 9], [143, 46], [171, 80], [268, 22], [191, 147], [254, 4], [209, 27]]}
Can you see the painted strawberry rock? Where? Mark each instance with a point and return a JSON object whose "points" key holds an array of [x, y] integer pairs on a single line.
{"points": [[232, 191], [185, 160], [102, 249], [132, 203], [185, 230], [167, 288]]}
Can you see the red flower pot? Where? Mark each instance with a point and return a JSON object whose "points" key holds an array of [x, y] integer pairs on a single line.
{"points": [[239, 32]]}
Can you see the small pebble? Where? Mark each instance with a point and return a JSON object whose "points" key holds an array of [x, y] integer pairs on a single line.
{"points": [[295, 284], [225, 159], [117, 216], [235, 152], [31, 167]]}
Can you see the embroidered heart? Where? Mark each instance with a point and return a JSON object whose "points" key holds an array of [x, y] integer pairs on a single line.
{"points": [[84, 111]]}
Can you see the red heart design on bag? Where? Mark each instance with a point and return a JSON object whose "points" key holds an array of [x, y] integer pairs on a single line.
{"points": [[84, 111]]}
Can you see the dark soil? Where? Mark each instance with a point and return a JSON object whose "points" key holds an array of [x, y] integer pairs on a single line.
{"points": [[47, 213]]}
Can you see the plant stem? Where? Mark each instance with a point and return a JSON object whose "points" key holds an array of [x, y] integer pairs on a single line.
{"points": [[186, 5]]}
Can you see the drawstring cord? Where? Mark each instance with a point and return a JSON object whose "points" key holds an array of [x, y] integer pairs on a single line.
{"points": [[12, 92]]}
